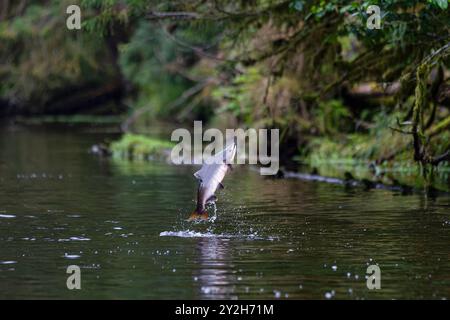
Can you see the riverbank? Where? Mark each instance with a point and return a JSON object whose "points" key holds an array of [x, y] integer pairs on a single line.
{"points": [[324, 163]]}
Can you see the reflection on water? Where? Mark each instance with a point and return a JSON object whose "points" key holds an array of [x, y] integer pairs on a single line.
{"points": [[213, 275], [124, 224]]}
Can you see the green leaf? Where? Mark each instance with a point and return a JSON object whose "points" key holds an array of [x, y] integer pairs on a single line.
{"points": [[443, 4]]}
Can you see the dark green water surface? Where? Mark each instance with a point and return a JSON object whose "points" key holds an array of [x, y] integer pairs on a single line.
{"points": [[123, 223]]}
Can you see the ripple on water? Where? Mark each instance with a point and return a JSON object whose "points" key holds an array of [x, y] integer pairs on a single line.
{"points": [[74, 239], [7, 216]]}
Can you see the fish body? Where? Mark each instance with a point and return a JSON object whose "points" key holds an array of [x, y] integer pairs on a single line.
{"points": [[210, 178]]}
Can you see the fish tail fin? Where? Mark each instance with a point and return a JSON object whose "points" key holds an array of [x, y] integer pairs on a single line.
{"points": [[198, 215]]}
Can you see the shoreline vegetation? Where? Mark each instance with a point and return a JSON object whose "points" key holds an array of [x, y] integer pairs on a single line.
{"points": [[373, 104], [405, 178]]}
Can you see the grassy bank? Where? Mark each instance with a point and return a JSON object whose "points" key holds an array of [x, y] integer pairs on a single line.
{"points": [[140, 147]]}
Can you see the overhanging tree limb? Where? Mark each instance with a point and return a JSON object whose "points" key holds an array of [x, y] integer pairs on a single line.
{"points": [[421, 153]]}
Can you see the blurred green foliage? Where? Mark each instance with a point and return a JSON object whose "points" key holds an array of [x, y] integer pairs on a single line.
{"points": [[40, 59]]}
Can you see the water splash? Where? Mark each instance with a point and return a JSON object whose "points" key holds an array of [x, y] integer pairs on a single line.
{"points": [[208, 234], [188, 234]]}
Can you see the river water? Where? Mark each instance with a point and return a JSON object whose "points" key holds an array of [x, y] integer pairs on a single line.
{"points": [[124, 224]]}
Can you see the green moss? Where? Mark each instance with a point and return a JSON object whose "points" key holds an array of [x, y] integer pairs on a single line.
{"points": [[357, 154], [356, 148], [141, 147]]}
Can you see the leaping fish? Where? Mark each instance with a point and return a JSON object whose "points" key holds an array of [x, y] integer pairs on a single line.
{"points": [[210, 178]]}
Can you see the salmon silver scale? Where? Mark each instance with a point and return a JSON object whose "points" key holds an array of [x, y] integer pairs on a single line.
{"points": [[210, 178]]}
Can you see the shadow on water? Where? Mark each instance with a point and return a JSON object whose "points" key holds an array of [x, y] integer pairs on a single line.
{"points": [[124, 223]]}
